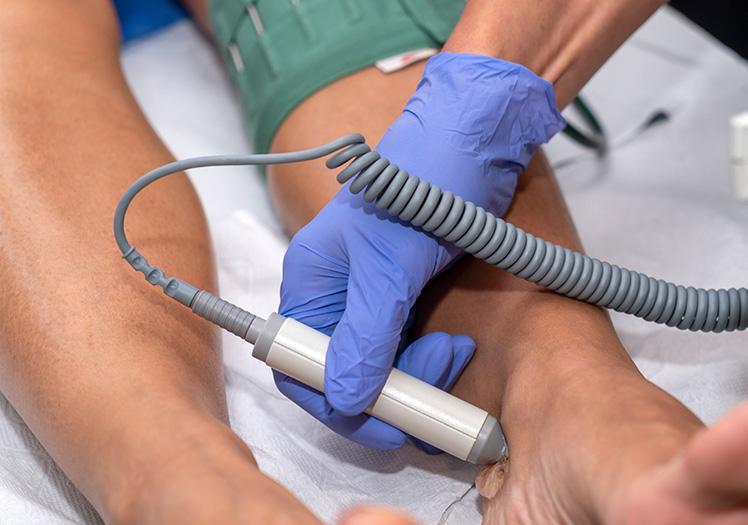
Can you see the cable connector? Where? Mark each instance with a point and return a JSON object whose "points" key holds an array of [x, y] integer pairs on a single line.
{"points": [[739, 155], [173, 287]]}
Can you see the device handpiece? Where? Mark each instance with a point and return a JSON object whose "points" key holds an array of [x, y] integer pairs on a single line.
{"points": [[409, 404]]}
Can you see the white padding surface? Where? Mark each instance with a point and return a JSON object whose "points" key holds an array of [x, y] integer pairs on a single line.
{"points": [[659, 203]]}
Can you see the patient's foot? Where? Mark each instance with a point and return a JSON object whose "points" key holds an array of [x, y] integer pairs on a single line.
{"points": [[600, 444], [706, 483]]}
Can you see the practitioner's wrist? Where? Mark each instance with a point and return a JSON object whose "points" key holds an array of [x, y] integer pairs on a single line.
{"points": [[494, 109], [531, 34], [564, 42]]}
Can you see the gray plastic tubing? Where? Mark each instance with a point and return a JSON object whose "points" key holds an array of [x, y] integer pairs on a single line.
{"points": [[501, 244]]}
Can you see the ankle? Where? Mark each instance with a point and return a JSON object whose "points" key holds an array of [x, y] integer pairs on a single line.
{"points": [[539, 371], [212, 480], [168, 474]]}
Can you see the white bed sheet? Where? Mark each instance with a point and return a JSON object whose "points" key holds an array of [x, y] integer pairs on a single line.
{"points": [[660, 203]]}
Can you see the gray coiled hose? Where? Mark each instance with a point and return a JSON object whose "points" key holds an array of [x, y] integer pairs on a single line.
{"points": [[479, 233], [501, 244]]}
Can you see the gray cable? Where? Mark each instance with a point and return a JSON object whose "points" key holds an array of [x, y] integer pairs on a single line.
{"points": [[479, 233], [228, 160], [220, 312]]}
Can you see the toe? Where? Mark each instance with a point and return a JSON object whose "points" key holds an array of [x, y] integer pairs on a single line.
{"points": [[716, 461]]}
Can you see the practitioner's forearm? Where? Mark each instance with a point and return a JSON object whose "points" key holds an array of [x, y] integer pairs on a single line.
{"points": [[563, 41]]}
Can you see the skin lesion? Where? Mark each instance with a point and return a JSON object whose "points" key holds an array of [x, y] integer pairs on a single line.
{"points": [[491, 478]]}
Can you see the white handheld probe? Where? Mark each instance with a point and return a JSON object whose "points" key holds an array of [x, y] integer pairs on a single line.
{"points": [[415, 407], [407, 403]]}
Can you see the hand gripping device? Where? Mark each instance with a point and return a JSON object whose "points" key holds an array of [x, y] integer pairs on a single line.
{"points": [[413, 406]]}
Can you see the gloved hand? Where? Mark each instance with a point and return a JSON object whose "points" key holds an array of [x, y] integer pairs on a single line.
{"points": [[355, 272]]}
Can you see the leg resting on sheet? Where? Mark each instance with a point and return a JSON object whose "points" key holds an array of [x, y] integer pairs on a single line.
{"points": [[122, 387]]}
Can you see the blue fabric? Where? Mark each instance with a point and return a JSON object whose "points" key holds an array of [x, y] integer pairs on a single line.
{"points": [[140, 17], [354, 272]]}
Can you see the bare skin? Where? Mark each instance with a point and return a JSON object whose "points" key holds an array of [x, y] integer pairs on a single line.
{"points": [[104, 370], [562, 41]]}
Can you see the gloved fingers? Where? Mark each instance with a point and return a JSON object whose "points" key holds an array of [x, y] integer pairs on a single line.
{"points": [[437, 358], [362, 429], [428, 449], [314, 286], [363, 345]]}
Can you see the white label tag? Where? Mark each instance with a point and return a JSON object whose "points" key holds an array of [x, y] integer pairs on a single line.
{"points": [[397, 62]]}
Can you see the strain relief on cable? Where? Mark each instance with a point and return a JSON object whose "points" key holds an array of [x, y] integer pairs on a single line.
{"points": [[228, 316], [173, 287]]}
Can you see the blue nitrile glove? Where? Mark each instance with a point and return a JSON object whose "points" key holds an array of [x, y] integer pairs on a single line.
{"points": [[436, 358], [355, 272]]}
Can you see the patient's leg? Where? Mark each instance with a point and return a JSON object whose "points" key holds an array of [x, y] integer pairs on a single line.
{"points": [[121, 385], [589, 437]]}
